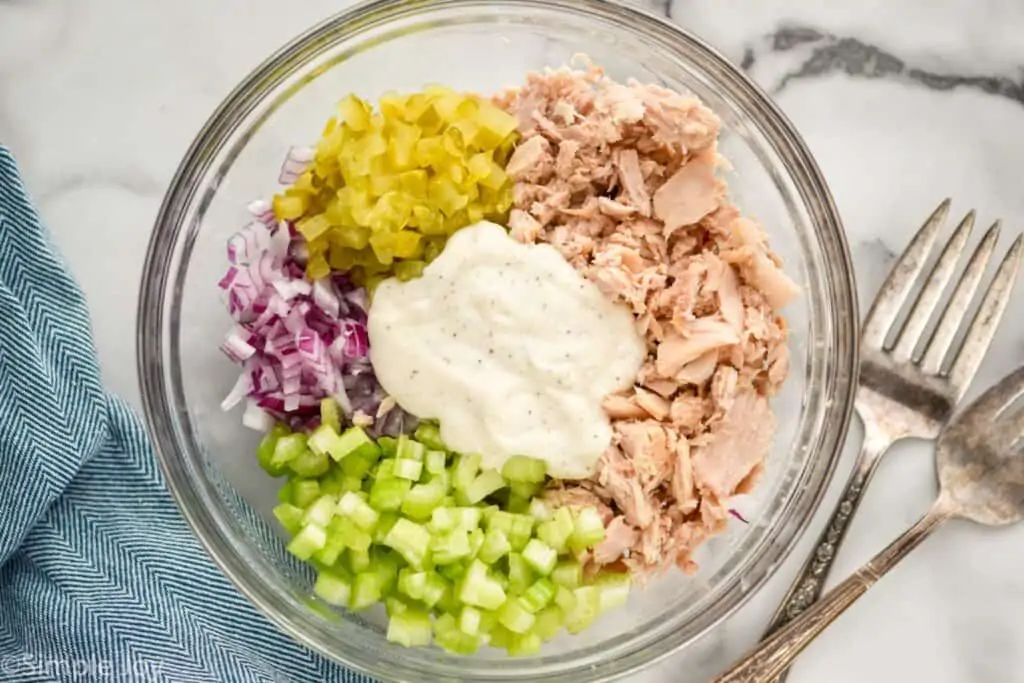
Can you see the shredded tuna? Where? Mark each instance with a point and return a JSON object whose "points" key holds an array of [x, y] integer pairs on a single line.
{"points": [[622, 180]]}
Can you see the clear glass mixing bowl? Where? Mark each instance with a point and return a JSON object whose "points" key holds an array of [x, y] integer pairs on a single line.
{"points": [[208, 456]]}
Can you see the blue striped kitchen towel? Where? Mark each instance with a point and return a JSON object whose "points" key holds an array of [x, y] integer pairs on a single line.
{"points": [[100, 577]]}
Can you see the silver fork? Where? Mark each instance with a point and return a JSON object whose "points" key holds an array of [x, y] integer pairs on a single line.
{"points": [[901, 394]]}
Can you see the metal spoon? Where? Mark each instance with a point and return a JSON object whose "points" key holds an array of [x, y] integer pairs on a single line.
{"points": [[980, 460]]}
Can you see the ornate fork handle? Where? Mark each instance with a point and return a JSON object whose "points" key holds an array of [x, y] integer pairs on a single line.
{"points": [[810, 582]]}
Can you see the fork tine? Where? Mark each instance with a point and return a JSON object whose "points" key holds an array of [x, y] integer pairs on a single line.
{"points": [[932, 291], [998, 398], [901, 280], [958, 304], [983, 327]]}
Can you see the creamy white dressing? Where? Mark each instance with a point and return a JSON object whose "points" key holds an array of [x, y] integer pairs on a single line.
{"points": [[509, 347]]}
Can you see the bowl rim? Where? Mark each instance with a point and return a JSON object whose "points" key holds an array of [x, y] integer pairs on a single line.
{"points": [[152, 334]]}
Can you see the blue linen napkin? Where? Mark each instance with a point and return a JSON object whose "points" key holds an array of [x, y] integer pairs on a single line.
{"points": [[100, 577]]}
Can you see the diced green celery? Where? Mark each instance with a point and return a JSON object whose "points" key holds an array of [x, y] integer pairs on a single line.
{"points": [[429, 435], [448, 636], [395, 605], [588, 530], [499, 519], [452, 572], [305, 491], [323, 439], [520, 575], [350, 483], [466, 470], [478, 589], [495, 546], [518, 504], [330, 414], [358, 560], [412, 583], [514, 616], [351, 535], [524, 644], [332, 588], [353, 440], [385, 469], [450, 547], [265, 451], [557, 530], [549, 622], [442, 520], [524, 469], [407, 449], [290, 517], [321, 511], [525, 490], [565, 599], [540, 556], [614, 587], [384, 524], [568, 573], [388, 446], [501, 637], [422, 499], [486, 483], [359, 463], [539, 510], [468, 518], [309, 540], [331, 481], [358, 510], [522, 531], [411, 628], [366, 590], [476, 540], [435, 589], [587, 608], [408, 469], [488, 620], [309, 464], [469, 620], [332, 550], [436, 461], [410, 540], [388, 494], [287, 448], [539, 595], [284, 494]]}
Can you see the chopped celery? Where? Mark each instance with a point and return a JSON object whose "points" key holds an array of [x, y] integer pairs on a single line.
{"points": [[330, 414], [520, 575], [515, 617], [469, 620], [309, 540], [323, 439], [358, 510], [465, 471], [331, 482], [384, 524], [478, 589], [476, 540], [309, 464], [412, 583], [388, 446], [539, 595], [422, 500], [284, 494], [350, 483], [321, 511], [332, 588], [525, 490], [395, 605], [353, 440], [442, 520], [588, 530], [287, 448], [614, 587], [351, 535], [587, 608], [549, 622], [518, 504], [265, 451], [451, 547], [568, 573], [305, 491], [539, 510], [332, 550], [453, 572], [540, 556], [359, 463], [522, 530], [435, 589], [468, 518], [436, 461], [486, 483], [408, 469], [366, 590], [388, 494], [407, 449], [565, 599], [524, 469], [411, 628], [410, 540], [449, 637], [289, 516], [429, 435], [495, 546], [358, 560], [524, 644], [557, 530]]}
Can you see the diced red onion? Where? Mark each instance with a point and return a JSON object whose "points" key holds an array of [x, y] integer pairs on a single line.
{"points": [[737, 515], [256, 418], [295, 164]]}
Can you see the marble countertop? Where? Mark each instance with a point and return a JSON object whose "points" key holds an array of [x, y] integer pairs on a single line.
{"points": [[902, 104]]}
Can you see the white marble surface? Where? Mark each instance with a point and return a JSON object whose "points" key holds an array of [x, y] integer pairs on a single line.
{"points": [[903, 103]]}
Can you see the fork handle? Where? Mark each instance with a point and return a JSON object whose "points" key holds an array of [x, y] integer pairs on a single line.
{"points": [[774, 655], [810, 582]]}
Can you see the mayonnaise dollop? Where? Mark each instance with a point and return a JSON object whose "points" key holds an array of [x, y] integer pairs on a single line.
{"points": [[509, 347]]}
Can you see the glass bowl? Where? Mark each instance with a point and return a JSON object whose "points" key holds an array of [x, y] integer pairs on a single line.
{"points": [[208, 456]]}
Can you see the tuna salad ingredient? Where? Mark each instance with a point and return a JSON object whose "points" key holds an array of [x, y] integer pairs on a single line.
{"points": [[510, 348]]}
